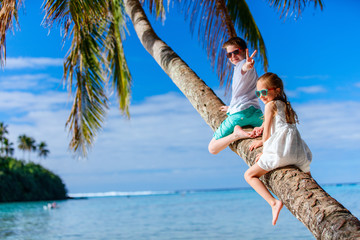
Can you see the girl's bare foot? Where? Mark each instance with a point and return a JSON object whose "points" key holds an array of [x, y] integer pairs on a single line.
{"points": [[239, 133], [276, 210]]}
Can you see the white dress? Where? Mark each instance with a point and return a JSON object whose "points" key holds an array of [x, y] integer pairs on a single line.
{"points": [[285, 145]]}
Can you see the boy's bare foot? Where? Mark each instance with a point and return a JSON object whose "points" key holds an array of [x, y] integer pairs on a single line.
{"points": [[276, 210], [239, 133]]}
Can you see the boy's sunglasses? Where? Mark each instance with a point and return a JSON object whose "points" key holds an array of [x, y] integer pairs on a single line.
{"points": [[236, 52], [263, 92]]}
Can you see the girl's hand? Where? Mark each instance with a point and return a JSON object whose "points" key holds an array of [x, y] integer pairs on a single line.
{"points": [[255, 144], [258, 157], [249, 64], [256, 132], [224, 108]]}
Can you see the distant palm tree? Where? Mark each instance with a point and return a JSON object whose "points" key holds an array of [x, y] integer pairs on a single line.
{"points": [[26, 144], [3, 131], [8, 147], [43, 152], [22, 143]]}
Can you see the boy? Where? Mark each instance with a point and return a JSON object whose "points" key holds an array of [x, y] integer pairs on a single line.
{"points": [[244, 108]]}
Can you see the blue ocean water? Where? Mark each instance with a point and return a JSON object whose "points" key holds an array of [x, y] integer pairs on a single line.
{"points": [[217, 214]]}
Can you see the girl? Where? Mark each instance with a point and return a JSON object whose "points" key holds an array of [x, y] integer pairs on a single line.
{"points": [[282, 142]]}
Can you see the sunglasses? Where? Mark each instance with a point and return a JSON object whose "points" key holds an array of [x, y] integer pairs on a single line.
{"points": [[263, 92], [236, 52]]}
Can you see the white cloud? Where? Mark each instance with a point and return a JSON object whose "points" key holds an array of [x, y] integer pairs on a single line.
{"points": [[320, 77], [307, 90], [165, 134], [26, 102], [162, 146], [311, 89], [330, 125], [28, 62], [28, 82]]}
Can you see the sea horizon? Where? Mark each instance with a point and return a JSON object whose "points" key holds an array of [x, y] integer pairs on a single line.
{"points": [[115, 193]]}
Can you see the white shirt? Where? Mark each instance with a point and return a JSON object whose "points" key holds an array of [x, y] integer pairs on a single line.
{"points": [[243, 89]]}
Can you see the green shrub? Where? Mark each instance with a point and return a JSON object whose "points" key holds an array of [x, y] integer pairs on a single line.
{"points": [[21, 181]]}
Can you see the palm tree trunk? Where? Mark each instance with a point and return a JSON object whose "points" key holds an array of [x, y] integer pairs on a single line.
{"points": [[321, 214]]}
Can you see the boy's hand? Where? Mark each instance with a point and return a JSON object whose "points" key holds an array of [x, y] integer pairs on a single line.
{"points": [[255, 144], [249, 63], [256, 132], [224, 108]]}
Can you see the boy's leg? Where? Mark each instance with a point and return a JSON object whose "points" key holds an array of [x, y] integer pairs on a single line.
{"points": [[252, 176], [217, 145]]}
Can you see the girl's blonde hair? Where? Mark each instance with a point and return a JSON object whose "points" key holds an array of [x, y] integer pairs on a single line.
{"points": [[271, 80]]}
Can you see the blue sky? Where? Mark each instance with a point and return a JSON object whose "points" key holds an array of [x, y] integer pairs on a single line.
{"points": [[164, 144]]}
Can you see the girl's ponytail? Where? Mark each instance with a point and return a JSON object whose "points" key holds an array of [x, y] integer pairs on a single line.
{"points": [[290, 114]]}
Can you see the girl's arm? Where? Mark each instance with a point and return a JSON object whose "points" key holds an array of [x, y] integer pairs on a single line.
{"points": [[270, 110]]}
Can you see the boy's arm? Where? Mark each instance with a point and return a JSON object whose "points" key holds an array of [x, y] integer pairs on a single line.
{"points": [[249, 63]]}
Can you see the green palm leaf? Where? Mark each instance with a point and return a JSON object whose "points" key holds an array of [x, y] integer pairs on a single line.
{"points": [[156, 7], [215, 22], [295, 6], [218, 20], [8, 12], [83, 69], [96, 52], [121, 78]]}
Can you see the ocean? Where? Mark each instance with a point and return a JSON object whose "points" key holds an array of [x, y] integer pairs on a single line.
{"points": [[211, 214]]}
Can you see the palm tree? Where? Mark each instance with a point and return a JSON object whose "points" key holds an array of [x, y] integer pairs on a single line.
{"points": [[3, 131], [96, 51], [26, 144], [22, 144], [43, 152], [8, 148]]}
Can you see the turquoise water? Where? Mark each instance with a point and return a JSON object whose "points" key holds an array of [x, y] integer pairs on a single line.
{"points": [[226, 214]]}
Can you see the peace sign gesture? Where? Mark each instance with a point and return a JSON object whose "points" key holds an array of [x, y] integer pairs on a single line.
{"points": [[249, 64]]}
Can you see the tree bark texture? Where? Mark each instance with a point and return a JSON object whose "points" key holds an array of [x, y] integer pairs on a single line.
{"points": [[318, 211]]}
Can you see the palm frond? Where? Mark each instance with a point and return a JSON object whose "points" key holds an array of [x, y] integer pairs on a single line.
{"points": [[155, 7], [121, 78], [218, 20], [84, 65], [293, 6], [245, 24], [8, 12], [88, 112], [96, 53]]}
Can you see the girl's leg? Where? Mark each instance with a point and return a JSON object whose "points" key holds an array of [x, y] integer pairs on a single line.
{"points": [[215, 146], [252, 176]]}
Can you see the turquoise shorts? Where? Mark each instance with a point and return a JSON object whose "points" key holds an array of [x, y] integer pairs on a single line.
{"points": [[248, 117]]}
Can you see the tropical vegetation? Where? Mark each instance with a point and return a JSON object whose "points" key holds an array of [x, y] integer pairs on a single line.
{"points": [[20, 181], [25, 144]]}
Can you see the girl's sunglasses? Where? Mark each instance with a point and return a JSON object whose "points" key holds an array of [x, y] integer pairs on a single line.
{"points": [[236, 52], [263, 92]]}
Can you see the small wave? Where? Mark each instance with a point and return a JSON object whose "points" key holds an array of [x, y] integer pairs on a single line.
{"points": [[120, 194]]}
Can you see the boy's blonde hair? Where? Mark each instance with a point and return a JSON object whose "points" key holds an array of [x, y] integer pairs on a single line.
{"points": [[271, 80]]}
